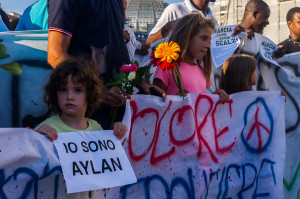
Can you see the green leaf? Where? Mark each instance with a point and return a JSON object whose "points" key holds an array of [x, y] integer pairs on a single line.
{"points": [[115, 75], [2, 51], [13, 68], [142, 70], [113, 84], [122, 75], [136, 63]]}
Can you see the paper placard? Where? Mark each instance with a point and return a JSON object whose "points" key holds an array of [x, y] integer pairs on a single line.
{"points": [[266, 51], [93, 160], [223, 44]]}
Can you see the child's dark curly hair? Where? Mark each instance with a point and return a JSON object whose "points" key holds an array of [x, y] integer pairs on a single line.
{"points": [[82, 72]]}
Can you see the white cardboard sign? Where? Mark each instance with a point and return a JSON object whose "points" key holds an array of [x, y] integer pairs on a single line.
{"points": [[93, 160]]}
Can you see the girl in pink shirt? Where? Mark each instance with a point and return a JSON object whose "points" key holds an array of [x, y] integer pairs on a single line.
{"points": [[192, 33]]}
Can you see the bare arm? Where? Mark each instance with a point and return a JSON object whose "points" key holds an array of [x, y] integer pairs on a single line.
{"points": [[162, 33], [58, 44], [154, 37]]}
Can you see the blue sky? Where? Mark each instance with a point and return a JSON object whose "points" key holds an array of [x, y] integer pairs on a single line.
{"points": [[20, 5]]}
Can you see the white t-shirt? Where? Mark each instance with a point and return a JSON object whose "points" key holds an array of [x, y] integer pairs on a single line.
{"points": [[175, 11]]}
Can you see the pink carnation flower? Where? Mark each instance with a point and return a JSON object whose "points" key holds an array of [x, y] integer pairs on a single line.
{"points": [[133, 68], [129, 68]]}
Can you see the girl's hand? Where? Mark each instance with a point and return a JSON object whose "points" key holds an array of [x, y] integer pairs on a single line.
{"points": [[223, 95], [49, 131], [283, 94], [120, 129], [183, 94]]}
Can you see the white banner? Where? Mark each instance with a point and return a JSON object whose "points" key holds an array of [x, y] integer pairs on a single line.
{"points": [[197, 147], [29, 167], [93, 160]]}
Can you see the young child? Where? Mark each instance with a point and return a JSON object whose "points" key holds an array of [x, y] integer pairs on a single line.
{"points": [[73, 91], [238, 74], [192, 33]]}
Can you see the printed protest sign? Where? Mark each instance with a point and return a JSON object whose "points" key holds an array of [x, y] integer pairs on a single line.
{"points": [[223, 44], [93, 160], [266, 50]]}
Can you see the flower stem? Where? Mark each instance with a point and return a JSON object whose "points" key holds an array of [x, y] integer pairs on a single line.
{"points": [[177, 80], [113, 114]]}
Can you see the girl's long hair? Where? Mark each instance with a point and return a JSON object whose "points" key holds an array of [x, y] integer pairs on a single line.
{"points": [[187, 27], [237, 72]]}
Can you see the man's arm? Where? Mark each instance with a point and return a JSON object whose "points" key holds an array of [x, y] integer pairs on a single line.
{"points": [[154, 37], [163, 32], [58, 45]]}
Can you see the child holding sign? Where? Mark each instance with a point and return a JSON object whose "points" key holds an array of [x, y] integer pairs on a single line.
{"points": [[192, 33], [73, 91], [238, 74]]}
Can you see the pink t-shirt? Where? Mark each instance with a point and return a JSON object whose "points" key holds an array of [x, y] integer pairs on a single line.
{"points": [[192, 76]]}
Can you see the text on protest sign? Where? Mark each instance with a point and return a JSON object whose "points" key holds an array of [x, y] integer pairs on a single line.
{"points": [[93, 160], [223, 44]]}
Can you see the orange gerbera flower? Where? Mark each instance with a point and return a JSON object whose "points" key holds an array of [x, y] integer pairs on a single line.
{"points": [[167, 51]]}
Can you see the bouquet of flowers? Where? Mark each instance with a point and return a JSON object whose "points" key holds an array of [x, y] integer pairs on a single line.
{"points": [[128, 77], [165, 56]]}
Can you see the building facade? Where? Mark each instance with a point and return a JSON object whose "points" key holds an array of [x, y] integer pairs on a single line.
{"points": [[142, 15], [229, 12]]}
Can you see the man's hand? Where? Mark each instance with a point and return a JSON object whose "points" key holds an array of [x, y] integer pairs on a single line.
{"points": [[238, 29], [280, 52], [126, 36], [145, 46], [114, 96]]}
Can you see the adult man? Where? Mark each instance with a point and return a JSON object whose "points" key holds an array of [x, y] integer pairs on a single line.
{"points": [[176, 11], [256, 16], [292, 44], [92, 29]]}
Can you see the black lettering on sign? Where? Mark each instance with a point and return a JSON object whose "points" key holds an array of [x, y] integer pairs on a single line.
{"points": [[113, 162], [105, 166], [76, 169], [85, 148]]}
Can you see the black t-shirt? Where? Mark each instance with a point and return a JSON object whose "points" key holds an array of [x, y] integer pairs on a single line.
{"points": [[291, 46], [96, 27]]}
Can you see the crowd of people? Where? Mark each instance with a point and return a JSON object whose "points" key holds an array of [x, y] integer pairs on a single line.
{"points": [[88, 41]]}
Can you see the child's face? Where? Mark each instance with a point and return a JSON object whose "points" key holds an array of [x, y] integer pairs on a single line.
{"points": [[72, 99], [254, 78], [200, 43]]}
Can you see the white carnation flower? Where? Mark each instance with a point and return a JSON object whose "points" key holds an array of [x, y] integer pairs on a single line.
{"points": [[131, 76]]}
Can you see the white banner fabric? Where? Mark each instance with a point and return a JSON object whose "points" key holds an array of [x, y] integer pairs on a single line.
{"points": [[197, 147]]}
